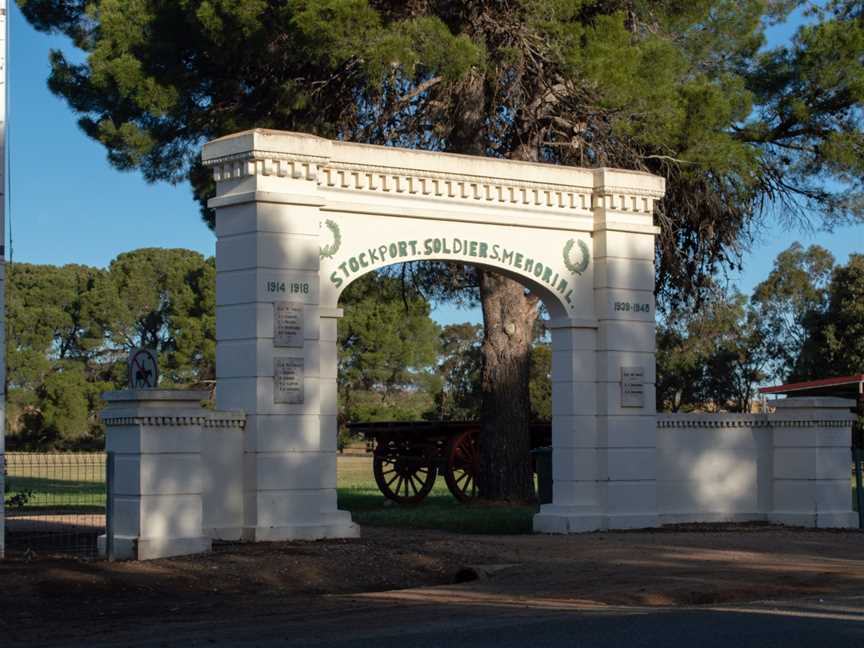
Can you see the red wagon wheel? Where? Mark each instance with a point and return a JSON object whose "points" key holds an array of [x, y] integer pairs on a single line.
{"points": [[463, 465], [403, 474]]}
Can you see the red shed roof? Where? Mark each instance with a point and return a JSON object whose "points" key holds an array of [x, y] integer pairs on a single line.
{"points": [[841, 386]]}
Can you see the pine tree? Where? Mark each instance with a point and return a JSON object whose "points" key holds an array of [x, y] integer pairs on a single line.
{"points": [[681, 88]]}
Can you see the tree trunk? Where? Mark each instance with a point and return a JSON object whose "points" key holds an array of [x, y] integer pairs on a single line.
{"points": [[508, 316], [505, 443]]}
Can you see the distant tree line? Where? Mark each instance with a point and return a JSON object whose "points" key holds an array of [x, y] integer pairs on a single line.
{"points": [[397, 363], [69, 330], [804, 321]]}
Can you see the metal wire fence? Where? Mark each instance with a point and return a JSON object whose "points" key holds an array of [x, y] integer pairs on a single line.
{"points": [[54, 504]]}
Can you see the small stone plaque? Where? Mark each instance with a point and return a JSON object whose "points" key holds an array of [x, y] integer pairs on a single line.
{"points": [[288, 380], [632, 386], [288, 324]]}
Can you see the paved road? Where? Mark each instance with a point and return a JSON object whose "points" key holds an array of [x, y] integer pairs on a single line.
{"points": [[361, 625]]}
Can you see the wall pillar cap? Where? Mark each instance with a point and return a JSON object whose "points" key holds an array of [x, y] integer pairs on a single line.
{"points": [[610, 180]]}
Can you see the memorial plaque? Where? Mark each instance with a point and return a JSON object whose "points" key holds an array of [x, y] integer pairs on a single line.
{"points": [[288, 324], [632, 386], [288, 380]]}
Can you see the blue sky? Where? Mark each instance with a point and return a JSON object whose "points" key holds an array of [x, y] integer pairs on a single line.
{"points": [[70, 206]]}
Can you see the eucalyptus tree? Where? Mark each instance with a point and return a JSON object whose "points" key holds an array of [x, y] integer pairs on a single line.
{"points": [[682, 88], [790, 300], [835, 333]]}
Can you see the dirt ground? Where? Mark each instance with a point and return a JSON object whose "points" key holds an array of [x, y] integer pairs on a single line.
{"points": [[682, 566]]}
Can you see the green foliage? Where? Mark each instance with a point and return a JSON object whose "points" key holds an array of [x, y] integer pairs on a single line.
{"points": [[460, 365], [795, 289], [167, 302], [388, 346], [540, 385], [69, 330], [711, 360], [18, 500], [835, 334], [683, 89]]}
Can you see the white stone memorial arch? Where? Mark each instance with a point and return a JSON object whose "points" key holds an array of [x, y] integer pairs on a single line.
{"points": [[298, 218]]}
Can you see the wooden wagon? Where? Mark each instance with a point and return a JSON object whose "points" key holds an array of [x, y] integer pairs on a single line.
{"points": [[409, 455]]}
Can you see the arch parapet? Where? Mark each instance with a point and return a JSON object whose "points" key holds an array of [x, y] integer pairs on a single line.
{"points": [[298, 218]]}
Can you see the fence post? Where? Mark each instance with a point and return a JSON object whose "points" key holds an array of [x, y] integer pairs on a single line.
{"points": [[109, 506], [2, 497]]}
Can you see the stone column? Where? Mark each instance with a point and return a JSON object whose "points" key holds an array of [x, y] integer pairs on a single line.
{"points": [[578, 456], [624, 306], [604, 415], [155, 502], [812, 459], [328, 340], [267, 327]]}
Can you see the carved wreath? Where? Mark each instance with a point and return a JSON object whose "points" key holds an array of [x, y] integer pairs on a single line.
{"points": [[582, 265], [328, 251]]}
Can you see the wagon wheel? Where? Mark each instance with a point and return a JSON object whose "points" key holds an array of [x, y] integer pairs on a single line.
{"points": [[403, 474], [463, 465]]}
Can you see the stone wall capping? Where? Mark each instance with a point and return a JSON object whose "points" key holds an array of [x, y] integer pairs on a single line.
{"points": [[222, 419], [349, 167], [158, 421], [726, 420]]}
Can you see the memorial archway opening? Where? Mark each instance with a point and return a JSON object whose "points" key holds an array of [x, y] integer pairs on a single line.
{"points": [[419, 385], [299, 218]]}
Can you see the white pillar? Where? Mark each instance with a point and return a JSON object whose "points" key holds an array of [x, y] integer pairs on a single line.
{"points": [[812, 459], [268, 355], [604, 416], [624, 306], [328, 340], [578, 456], [155, 504]]}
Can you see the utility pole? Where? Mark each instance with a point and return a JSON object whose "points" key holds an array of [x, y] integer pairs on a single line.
{"points": [[4, 43]]}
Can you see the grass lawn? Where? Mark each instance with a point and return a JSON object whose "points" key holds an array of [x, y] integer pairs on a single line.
{"points": [[45, 481], [42, 493], [49, 482], [359, 494]]}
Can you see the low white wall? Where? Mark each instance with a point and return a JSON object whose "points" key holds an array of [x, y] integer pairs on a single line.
{"points": [[713, 467], [223, 476], [172, 467], [812, 459], [791, 466]]}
